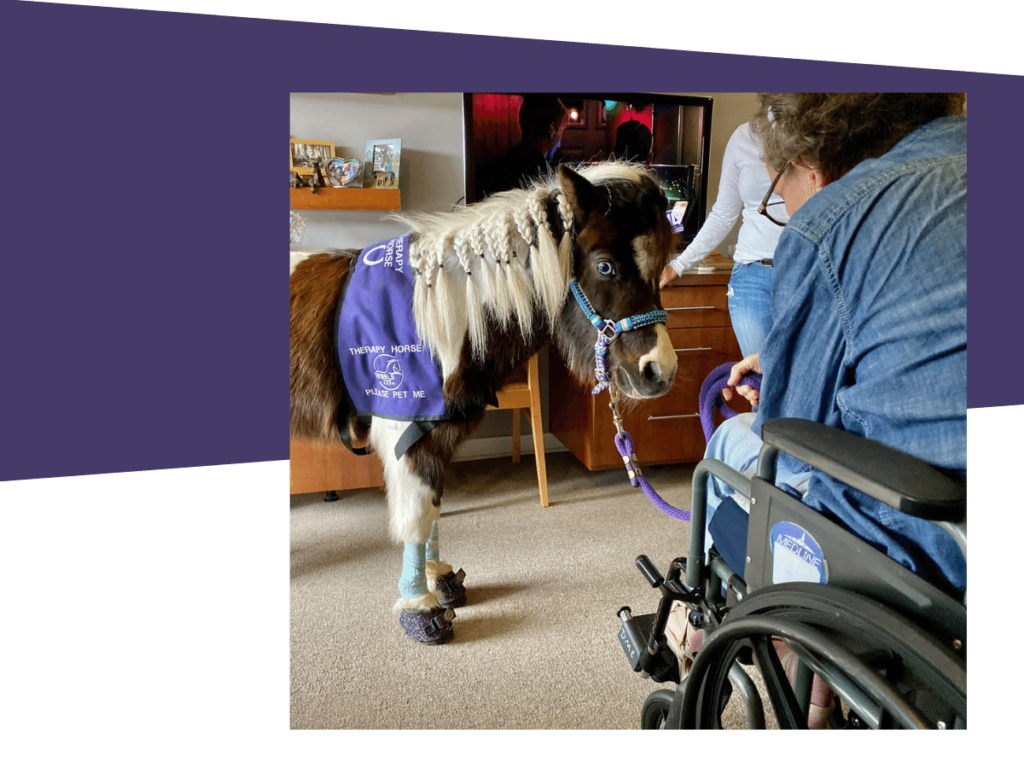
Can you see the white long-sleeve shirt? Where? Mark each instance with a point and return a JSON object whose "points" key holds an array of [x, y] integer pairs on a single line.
{"points": [[744, 181]]}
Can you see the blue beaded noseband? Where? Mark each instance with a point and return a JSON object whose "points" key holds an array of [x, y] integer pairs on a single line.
{"points": [[608, 331]]}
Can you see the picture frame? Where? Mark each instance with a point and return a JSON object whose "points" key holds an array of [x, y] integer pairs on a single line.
{"points": [[302, 152], [344, 172], [381, 163]]}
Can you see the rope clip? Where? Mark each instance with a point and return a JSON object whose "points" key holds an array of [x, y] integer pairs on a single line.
{"points": [[616, 416], [624, 443]]}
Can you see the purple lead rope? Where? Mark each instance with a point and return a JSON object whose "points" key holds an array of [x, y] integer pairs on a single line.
{"points": [[710, 397]]}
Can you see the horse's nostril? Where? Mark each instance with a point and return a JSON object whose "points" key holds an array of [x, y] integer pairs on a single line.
{"points": [[651, 372]]}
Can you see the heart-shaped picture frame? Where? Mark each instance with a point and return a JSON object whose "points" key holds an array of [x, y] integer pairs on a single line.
{"points": [[341, 172]]}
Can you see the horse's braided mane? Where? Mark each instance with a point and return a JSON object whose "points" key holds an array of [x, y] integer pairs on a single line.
{"points": [[498, 256]]}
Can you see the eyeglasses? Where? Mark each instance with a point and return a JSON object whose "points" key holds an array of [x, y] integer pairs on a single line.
{"points": [[763, 207]]}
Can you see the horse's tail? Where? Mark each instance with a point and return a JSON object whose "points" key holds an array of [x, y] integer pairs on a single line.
{"points": [[319, 406]]}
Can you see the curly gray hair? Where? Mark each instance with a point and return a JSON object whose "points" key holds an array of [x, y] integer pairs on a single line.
{"points": [[836, 131]]}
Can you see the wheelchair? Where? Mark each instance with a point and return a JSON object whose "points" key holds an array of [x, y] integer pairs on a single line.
{"points": [[889, 645]]}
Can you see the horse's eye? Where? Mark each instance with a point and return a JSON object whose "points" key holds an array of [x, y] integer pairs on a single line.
{"points": [[606, 268]]}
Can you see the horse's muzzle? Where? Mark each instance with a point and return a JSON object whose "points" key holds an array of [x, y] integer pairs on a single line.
{"points": [[654, 373]]}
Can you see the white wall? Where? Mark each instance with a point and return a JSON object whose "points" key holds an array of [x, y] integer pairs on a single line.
{"points": [[431, 176]]}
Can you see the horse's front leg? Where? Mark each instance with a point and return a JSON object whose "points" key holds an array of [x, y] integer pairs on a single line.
{"points": [[443, 580], [414, 485]]}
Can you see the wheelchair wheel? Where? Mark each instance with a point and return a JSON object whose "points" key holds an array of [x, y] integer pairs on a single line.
{"points": [[655, 711], [886, 671]]}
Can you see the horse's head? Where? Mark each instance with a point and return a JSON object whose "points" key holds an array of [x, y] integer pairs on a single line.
{"points": [[622, 243]]}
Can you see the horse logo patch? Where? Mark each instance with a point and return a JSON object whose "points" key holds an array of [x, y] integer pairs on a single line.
{"points": [[388, 372]]}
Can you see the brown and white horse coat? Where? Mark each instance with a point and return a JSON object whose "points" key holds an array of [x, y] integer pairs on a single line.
{"points": [[491, 288]]}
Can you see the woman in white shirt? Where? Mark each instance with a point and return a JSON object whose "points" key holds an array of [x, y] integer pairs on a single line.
{"points": [[742, 187]]}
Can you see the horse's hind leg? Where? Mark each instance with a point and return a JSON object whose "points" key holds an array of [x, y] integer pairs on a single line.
{"points": [[414, 506]]}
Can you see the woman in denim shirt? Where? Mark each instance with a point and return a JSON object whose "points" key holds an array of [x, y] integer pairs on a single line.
{"points": [[870, 301]]}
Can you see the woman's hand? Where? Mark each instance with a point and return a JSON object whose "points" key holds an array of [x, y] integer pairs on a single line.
{"points": [[667, 276], [743, 367]]}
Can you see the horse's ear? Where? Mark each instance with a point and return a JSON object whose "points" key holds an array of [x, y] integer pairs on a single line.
{"points": [[582, 196]]}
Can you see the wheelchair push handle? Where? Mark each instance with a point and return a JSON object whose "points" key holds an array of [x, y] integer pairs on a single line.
{"points": [[650, 571]]}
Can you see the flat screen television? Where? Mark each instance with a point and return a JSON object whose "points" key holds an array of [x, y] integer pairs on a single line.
{"points": [[600, 126]]}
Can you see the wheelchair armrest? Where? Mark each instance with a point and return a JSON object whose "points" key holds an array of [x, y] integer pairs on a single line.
{"points": [[898, 479]]}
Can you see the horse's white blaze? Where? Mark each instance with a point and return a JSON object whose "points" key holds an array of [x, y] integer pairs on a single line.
{"points": [[411, 508], [662, 355], [646, 249]]}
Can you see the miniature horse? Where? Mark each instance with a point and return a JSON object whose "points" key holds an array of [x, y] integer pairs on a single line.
{"points": [[490, 285]]}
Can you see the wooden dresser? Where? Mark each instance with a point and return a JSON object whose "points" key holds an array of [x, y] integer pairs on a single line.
{"points": [[318, 467], [666, 430]]}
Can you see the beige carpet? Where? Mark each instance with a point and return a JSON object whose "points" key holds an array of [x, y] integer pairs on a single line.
{"points": [[534, 648]]}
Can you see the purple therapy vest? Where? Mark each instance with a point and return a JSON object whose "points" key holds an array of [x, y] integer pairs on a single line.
{"points": [[388, 370]]}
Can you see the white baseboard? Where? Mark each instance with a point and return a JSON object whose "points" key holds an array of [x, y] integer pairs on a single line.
{"points": [[499, 447]]}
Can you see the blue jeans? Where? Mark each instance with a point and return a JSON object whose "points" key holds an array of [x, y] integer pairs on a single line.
{"points": [[750, 305], [736, 445]]}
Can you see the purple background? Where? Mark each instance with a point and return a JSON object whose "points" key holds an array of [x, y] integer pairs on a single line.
{"points": [[143, 301], [143, 309]]}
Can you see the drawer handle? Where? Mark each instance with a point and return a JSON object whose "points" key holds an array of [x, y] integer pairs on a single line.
{"points": [[684, 309], [693, 349], [675, 416]]}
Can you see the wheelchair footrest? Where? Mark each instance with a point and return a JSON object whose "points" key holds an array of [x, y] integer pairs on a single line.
{"points": [[634, 637], [634, 634]]}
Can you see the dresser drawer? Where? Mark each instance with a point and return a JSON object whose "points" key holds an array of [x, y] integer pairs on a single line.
{"points": [[330, 466], [697, 306], [692, 343], [666, 441]]}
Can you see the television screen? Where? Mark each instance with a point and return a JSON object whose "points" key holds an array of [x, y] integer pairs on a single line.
{"points": [[509, 141]]}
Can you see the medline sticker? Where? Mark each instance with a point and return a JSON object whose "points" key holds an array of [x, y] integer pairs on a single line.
{"points": [[796, 556]]}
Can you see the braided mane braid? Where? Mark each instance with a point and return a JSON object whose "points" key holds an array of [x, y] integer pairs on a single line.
{"points": [[497, 256]]}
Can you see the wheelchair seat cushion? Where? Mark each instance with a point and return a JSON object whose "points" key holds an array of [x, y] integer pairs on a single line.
{"points": [[728, 529]]}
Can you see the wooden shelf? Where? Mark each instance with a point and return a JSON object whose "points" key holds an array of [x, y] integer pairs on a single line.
{"points": [[342, 199]]}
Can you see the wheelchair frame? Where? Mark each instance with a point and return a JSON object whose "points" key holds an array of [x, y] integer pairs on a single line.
{"points": [[889, 644]]}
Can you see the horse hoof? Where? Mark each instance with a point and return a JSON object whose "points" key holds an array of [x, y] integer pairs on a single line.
{"points": [[451, 593], [431, 628]]}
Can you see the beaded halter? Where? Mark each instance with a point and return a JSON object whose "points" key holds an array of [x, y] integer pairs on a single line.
{"points": [[609, 330]]}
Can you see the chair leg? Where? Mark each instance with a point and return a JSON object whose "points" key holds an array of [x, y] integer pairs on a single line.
{"points": [[516, 435], [537, 428]]}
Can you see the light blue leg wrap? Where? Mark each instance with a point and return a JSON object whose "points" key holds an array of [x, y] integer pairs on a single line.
{"points": [[413, 582], [433, 553]]}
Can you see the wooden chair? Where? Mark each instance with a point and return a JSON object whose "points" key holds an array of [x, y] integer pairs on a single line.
{"points": [[522, 392]]}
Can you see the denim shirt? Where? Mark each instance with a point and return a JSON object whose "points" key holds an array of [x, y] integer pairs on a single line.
{"points": [[870, 328]]}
